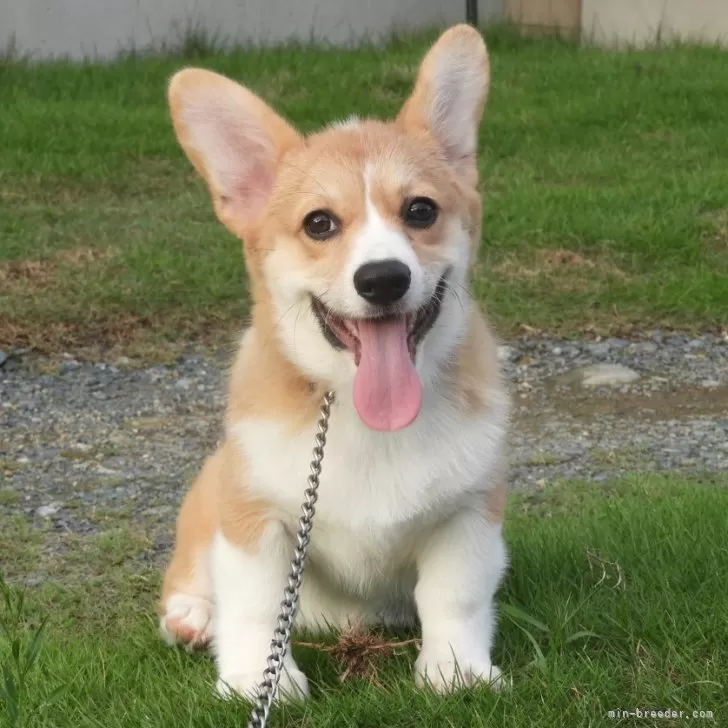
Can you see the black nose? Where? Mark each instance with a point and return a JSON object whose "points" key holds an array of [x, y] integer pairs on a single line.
{"points": [[382, 281]]}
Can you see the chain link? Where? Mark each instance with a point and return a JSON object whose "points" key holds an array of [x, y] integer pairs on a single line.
{"points": [[289, 606]]}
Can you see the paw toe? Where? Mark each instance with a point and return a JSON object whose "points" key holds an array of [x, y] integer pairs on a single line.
{"points": [[187, 620]]}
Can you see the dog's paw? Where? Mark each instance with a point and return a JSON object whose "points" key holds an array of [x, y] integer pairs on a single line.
{"points": [[449, 675], [293, 685], [187, 620]]}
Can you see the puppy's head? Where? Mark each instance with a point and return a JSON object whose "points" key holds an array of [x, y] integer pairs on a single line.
{"points": [[358, 239]]}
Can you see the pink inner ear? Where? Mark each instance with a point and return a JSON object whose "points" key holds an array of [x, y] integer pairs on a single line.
{"points": [[456, 94], [251, 189], [237, 152]]}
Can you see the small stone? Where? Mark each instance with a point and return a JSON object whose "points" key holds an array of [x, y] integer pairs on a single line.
{"points": [[48, 510], [710, 384], [105, 471], [557, 351], [617, 343], [506, 353], [123, 361], [599, 349], [570, 351], [159, 511], [68, 366], [644, 347], [3, 357], [183, 383], [600, 375]]}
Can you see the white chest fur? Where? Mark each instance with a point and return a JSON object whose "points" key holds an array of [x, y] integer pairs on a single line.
{"points": [[378, 491]]}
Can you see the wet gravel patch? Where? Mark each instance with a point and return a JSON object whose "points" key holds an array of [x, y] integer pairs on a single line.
{"points": [[82, 442], [672, 417]]}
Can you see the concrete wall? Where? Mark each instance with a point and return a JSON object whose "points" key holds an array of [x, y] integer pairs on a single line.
{"points": [[103, 28], [642, 22]]}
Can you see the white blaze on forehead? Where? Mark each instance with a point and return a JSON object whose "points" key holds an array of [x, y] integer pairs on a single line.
{"points": [[379, 240]]}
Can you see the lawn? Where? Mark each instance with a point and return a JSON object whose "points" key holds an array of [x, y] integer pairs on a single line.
{"points": [[606, 211], [607, 189], [615, 600]]}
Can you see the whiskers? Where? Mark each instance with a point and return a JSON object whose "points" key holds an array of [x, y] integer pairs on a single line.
{"points": [[329, 315], [457, 289]]}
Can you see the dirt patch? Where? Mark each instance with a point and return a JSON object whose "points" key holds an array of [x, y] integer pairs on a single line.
{"points": [[37, 276], [692, 402], [567, 270], [560, 257], [716, 223], [108, 336], [58, 336], [83, 256], [27, 275]]}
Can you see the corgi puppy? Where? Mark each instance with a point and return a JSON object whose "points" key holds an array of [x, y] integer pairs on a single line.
{"points": [[358, 242]]}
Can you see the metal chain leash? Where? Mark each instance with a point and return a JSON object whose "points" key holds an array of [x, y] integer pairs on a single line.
{"points": [[289, 606]]}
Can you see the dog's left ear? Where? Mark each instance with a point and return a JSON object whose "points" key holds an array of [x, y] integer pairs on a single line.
{"points": [[449, 96]]}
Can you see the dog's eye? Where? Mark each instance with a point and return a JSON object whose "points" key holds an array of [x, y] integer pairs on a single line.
{"points": [[420, 212], [320, 225]]}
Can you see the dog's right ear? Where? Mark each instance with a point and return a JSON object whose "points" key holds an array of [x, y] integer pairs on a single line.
{"points": [[234, 140]]}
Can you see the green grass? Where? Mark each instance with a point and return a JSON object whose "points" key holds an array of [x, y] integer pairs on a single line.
{"points": [[607, 188], [615, 599]]}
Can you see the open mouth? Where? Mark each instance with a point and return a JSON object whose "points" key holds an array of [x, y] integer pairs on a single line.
{"points": [[387, 388], [343, 333]]}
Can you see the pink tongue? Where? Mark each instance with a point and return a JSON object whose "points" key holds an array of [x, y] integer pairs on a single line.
{"points": [[387, 390]]}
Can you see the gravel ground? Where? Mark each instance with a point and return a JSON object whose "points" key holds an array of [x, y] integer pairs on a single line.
{"points": [[82, 442]]}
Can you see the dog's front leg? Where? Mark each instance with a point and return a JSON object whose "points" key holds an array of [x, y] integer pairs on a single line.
{"points": [[460, 568], [248, 587]]}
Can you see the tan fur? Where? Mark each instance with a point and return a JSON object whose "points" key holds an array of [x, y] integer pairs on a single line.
{"points": [[196, 525], [242, 517], [264, 384], [475, 370], [216, 501]]}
